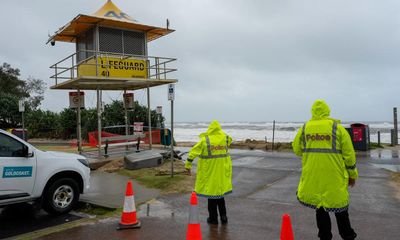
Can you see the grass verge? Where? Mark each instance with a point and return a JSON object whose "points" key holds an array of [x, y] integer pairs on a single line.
{"points": [[374, 145], [96, 210], [159, 178], [395, 182]]}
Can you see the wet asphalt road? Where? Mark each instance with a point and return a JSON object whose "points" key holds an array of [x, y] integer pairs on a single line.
{"points": [[264, 188], [24, 218]]}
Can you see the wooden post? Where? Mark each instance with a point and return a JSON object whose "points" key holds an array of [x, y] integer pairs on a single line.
{"points": [[379, 138], [273, 135], [392, 137], [395, 126]]}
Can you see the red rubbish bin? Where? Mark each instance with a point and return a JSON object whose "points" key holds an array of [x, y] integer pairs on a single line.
{"points": [[360, 136]]}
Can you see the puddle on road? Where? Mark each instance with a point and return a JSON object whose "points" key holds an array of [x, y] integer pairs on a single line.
{"points": [[244, 161], [386, 158], [385, 154]]}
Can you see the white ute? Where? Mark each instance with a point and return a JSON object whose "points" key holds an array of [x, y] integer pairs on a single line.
{"points": [[53, 179]]}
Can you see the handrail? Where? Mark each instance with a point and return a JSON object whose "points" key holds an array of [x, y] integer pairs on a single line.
{"points": [[52, 66]]}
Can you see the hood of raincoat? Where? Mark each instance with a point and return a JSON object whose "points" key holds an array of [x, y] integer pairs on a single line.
{"points": [[320, 110], [213, 128]]}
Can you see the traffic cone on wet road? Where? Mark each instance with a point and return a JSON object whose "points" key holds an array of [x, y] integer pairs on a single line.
{"points": [[286, 230], [128, 218], [194, 231]]}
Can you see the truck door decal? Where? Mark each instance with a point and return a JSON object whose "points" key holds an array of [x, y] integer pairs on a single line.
{"points": [[15, 172]]}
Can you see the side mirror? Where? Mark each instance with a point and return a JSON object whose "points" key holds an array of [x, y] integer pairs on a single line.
{"points": [[27, 152], [30, 152]]}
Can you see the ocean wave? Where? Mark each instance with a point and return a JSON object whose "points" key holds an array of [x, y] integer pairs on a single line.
{"points": [[284, 131]]}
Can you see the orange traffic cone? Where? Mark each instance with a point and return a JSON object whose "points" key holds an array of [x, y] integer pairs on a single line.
{"points": [[128, 218], [194, 231], [286, 230]]}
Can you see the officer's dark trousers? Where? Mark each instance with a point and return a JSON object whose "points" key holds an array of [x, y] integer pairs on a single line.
{"points": [[343, 222], [213, 204]]}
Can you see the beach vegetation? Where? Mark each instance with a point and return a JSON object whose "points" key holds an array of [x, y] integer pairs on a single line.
{"points": [[374, 145], [62, 125], [252, 144]]}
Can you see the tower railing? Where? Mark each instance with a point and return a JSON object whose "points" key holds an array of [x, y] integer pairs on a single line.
{"points": [[98, 64]]}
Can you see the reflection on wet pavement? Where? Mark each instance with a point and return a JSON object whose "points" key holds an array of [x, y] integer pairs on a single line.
{"points": [[384, 154], [385, 158]]}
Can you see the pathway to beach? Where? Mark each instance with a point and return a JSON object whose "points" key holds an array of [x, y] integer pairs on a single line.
{"points": [[265, 186]]}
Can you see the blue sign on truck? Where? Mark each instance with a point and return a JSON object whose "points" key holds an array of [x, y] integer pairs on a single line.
{"points": [[14, 172]]}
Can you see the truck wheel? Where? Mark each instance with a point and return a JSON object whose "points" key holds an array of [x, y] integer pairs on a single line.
{"points": [[61, 196]]}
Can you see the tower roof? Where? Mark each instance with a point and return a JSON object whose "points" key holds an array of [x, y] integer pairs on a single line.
{"points": [[109, 15], [111, 11]]}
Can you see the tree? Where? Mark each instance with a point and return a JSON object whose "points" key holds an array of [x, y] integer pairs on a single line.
{"points": [[67, 123], [10, 82], [13, 89], [9, 114], [34, 88], [43, 124], [114, 114]]}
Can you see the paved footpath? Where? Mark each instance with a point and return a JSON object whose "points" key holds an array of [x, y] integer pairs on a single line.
{"points": [[264, 188]]}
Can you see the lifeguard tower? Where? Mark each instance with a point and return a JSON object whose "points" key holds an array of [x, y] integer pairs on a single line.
{"points": [[111, 54]]}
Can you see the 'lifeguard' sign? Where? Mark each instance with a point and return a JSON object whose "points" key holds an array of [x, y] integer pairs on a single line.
{"points": [[113, 67]]}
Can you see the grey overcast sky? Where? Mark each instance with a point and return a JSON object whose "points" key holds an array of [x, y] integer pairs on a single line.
{"points": [[238, 60]]}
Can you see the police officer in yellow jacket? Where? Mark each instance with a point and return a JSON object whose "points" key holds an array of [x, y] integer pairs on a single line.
{"points": [[214, 170], [328, 168]]}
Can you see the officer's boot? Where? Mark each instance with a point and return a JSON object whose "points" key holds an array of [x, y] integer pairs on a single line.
{"points": [[224, 219], [351, 237], [212, 221], [212, 212], [222, 210]]}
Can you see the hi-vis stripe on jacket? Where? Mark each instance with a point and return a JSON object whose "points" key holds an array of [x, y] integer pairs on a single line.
{"points": [[214, 168], [328, 161]]}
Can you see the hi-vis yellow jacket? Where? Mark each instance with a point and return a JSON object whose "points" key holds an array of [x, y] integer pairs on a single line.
{"points": [[328, 161], [214, 168]]}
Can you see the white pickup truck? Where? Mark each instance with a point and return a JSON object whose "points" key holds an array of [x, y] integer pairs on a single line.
{"points": [[53, 179]]}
